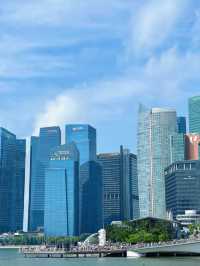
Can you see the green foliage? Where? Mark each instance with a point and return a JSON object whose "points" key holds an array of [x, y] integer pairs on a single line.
{"points": [[144, 230], [194, 229], [38, 240]]}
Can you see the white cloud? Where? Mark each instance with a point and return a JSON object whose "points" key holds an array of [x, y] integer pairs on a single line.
{"points": [[163, 79], [70, 13], [153, 23], [58, 24]]}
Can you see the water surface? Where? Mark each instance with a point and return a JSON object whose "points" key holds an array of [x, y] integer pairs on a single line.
{"points": [[13, 258]]}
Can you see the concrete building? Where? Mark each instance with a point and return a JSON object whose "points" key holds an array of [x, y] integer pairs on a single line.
{"points": [[188, 218]]}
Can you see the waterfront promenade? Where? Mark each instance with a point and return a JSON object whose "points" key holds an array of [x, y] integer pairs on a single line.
{"points": [[74, 252], [175, 247]]}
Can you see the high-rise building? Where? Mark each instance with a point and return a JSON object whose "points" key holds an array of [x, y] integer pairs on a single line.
{"points": [[12, 178], [91, 197], [121, 200], [90, 181], [181, 124], [177, 147], [194, 114], [182, 184], [61, 211], [111, 171], [85, 138], [192, 146], [130, 185], [49, 138], [19, 184], [155, 126]]}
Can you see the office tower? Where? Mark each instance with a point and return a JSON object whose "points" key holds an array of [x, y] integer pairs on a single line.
{"points": [[61, 209], [111, 172], [90, 181], [192, 146], [49, 138], [155, 126], [91, 197], [181, 124], [19, 184], [177, 147], [131, 172], [12, 178], [120, 185], [182, 184], [85, 138], [194, 114]]}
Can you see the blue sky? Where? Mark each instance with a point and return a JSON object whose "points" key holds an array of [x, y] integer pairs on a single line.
{"points": [[93, 61]]}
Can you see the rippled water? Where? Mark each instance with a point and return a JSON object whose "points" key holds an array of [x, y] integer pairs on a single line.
{"points": [[13, 258]]}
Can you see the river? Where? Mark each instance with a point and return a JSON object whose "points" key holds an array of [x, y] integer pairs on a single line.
{"points": [[13, 258]]}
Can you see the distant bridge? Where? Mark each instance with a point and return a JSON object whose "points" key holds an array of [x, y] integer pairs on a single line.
{"points": [[189, 247]]}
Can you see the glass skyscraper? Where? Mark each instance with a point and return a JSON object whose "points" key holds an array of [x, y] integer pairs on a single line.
{"points": [[111, 170], [12, 178], [155, 126], [194, 114], [90, 181], [130, 179], [85, 138], [61, 211], [181, 123], [120, 185], [49, 138], [91, 197], [19, 183], [177, 147]]}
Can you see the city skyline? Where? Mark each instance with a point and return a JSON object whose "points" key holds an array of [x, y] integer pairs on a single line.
{"points": [[90, 138], [117, 143], [92, 63], [86, 63]]}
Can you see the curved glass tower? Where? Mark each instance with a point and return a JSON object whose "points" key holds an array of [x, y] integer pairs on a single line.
{"points": [[155, 126]]}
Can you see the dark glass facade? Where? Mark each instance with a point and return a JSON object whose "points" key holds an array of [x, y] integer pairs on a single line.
{"points": [[111, 171], [49, 138], [19, 184], [182, 186], [12, 178], [90, 181], [61, 211], [120, 181], [91, 202], [181, 123]]}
